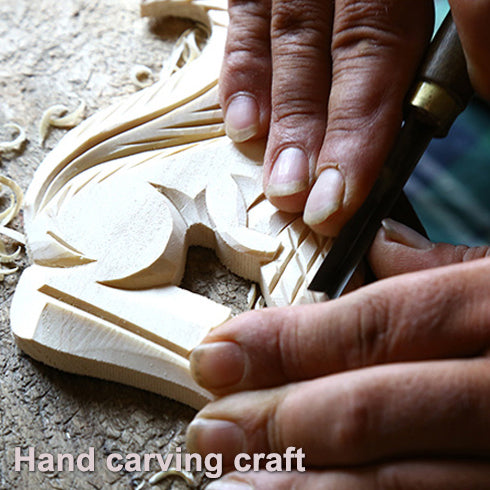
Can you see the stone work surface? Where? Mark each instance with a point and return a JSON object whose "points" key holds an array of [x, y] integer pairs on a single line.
{"points": [[55, 52]]}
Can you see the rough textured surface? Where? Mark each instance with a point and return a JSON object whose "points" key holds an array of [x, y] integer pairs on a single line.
{"points": [[60, 53]]}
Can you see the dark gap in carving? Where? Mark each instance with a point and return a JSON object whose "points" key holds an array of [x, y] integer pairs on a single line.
{"points": [[207, 276], [169, 28]]}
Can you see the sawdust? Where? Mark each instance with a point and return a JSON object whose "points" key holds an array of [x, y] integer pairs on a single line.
{"points": [[55, 52]]}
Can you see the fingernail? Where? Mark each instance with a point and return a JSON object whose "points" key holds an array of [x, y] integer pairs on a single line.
{"points": [[325, 198], [400, 233], [229, 484], [205, 436], [218, 364], [242, 118], [289, 174]]}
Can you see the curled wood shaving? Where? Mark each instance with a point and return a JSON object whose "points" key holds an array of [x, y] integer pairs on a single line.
{"points": [[15, 200], [6, 272], [5, 217], [62, 120], [252, 296], [8, 258], [17, 236], [161, 475], [186, 50], [260, 303], [141, 76], [17, 142]]}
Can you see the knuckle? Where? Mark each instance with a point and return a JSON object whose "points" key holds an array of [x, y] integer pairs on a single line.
{"points": [[299, 21], [239, 10], [246, 40], [371, 101], [300, 52], [425, 305], [372, 325], [278, 421], [241, 56], [289, 344], [269, 327], [473, 253], [372, 28], [385, 324], [248, 36], [358, 114], [292, 109], [246, 64], [350, 432], [283, 339], [360, 44], [368, 20], [300, 29]]}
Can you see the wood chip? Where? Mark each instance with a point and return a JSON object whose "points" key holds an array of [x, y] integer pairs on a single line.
{"points": [[16, 197], [161, 475], [62, 120], [17, 142], [141, 76]]}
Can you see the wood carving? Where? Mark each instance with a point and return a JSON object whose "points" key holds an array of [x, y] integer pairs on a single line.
{"points": [[114, 207]]}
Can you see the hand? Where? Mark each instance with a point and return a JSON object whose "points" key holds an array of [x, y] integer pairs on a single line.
{"points": [[292, 64], [472, 20], [387, 387]]}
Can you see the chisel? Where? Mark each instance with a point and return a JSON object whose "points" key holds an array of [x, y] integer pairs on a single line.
{"points": [[441, 91]]}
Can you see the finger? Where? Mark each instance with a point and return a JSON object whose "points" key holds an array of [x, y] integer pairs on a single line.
{"points": [[246, 70], [433, 475], [376, 47], [409, 410], [472, 20], [398, 249], [300, 40], [443, 313]]}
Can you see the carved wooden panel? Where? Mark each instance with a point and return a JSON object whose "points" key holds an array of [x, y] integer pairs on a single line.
{"points": [[114, 207]]}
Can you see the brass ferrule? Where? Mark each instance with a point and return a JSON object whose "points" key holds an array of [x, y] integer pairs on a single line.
{"points": [[436, 104]]}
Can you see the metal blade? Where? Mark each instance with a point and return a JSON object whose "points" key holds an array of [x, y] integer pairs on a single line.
{"points": [[356, 236]]}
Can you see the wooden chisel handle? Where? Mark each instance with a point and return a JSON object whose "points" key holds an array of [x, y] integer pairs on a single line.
{"points": [[443, 89]]}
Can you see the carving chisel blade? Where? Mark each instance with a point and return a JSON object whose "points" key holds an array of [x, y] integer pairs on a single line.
{"points": [[356, 236], [441, 91]]}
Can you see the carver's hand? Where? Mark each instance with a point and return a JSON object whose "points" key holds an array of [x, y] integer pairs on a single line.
{"points": [[472, 20], [326, 81], [387, 387]]}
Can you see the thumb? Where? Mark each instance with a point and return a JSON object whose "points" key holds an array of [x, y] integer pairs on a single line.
{"points": [[398, 249], [472, 19]]}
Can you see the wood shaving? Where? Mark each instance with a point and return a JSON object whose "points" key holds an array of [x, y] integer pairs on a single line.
{"points": [[16, 143], [7, 258], [5, 217], [186, 50], [6, 272], [141, 76], [253, 296], [62, 120], [259, 304], [161, 475], [16, 197], [17, 236]]}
